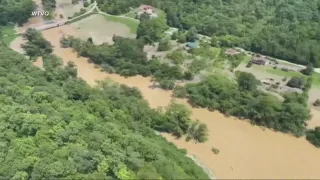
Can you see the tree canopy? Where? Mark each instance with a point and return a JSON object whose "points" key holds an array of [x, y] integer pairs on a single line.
{"points": [[243, 100], [54, 125], [314, 136], [127, 58], [15, 11], [151, 30], [284, 29], [36, 44]]}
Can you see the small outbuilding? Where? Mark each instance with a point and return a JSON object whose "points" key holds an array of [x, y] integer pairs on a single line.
{"points": [[192, 45], [260, 60], [231, 52]]}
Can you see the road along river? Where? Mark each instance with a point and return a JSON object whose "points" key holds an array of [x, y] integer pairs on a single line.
{"points": [[246, 151]]}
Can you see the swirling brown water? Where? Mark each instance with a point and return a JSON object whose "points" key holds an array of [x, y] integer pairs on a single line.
{"points": [[246, 151]]}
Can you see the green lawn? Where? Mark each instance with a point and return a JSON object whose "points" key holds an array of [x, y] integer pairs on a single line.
{"points": [[279, 72], [131, 14], [82, 17], [131, 23], [246, 60], [316, 80], [8, 34]]}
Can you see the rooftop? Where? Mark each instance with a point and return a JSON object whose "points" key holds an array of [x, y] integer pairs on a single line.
{"points": [[231, 52], [192, 45]]}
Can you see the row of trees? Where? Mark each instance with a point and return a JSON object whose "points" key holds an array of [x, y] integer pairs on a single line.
{"points": [[314, 136], [283, 29], [54, 125], [36, 45], [126, 57], [243, 100], [49, 5], [15, 11], [151, 30]]}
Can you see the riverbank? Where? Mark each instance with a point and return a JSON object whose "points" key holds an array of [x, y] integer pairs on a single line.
{"points": [[246, 151]]}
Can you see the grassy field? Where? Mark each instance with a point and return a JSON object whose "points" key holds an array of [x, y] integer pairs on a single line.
{"points": [[8, 34], [131, 23], [246, 60], [82, 17], [279, 72], [131, 14], [316, 80]]}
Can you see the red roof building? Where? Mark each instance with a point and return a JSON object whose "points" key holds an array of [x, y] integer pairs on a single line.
{"points": [[146, 7]]}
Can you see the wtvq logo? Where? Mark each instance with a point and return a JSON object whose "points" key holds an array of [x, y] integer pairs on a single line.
{"points": [[40, 13]]}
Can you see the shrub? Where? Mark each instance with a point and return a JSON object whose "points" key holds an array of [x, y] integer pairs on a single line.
{"points": [[182, 38], [215, 150], [296, 82], [177, 57], [317, 102], [167, 84], [164, 45], [198, 131], [180, 92], [249, 64], [174, 36], [308, 70], [107, 68], [313, 136]]}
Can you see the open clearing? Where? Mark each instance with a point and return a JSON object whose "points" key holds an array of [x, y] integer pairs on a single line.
{"points": [[66, 8], [100, 29], [8, 34], [131, 23]]}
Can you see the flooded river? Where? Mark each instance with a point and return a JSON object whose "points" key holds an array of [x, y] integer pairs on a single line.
{"points": [[246, 151]]}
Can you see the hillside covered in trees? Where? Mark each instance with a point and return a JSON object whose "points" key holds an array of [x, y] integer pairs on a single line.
{"points": [[284, 29], [15, 11], [53, 125]]}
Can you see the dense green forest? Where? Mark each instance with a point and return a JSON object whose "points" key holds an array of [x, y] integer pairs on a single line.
{"points": [[281, 28], [15, 11], [242, 99], [53, 125]]}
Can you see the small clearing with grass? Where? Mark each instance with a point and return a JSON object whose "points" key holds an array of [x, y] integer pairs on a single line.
{"points": [[8, 34], [101, 29], [131, 23], [67, 9]]}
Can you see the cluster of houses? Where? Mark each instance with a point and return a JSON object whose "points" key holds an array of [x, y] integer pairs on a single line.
{"points": [[148, 10], [264, 61]]}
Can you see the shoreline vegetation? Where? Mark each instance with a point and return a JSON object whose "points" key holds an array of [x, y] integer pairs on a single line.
{"points": [[125, 57], [81, 137], [241, 99]]}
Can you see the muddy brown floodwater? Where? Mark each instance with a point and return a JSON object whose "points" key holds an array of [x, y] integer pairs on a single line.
{"points": [[246, 151]]}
